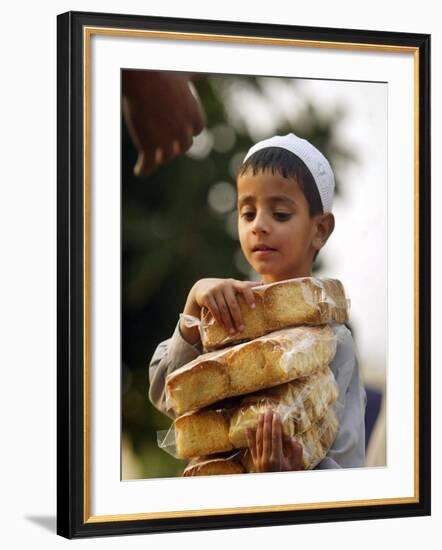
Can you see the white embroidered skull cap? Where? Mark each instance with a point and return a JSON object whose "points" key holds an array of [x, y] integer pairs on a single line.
{"points": [[315, 161]]}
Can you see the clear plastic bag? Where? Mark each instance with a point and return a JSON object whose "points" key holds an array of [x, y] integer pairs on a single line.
{"points": [[300, 404], [315, 444], [293, 302], [266, 361], [227, 464]]}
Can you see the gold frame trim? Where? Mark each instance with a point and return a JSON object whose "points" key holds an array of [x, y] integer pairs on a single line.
{"points": [[87, 33]]}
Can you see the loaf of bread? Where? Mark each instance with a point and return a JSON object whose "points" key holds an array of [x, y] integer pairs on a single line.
{"points": [[315, 444], [302, 301], [267, 361], [317, 441], [300, 403], [201, 433], [209, 466]]}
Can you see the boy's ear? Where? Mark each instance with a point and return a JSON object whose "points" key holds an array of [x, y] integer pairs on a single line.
{"points": [[325, 224]]}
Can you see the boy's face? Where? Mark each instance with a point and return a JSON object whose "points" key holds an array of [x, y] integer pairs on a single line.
{"points": [[274, 213]]}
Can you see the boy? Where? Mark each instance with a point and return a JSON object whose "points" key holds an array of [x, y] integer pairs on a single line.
{"points": [[285, 191]]}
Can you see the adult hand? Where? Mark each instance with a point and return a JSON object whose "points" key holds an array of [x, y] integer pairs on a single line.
{"points": [[270, 450], [162, 116]]}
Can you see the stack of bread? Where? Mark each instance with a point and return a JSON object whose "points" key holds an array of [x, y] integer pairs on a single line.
{"points": [[280, 361]]}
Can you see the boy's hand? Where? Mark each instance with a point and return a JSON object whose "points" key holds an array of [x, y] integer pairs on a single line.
{"points": [[271, 451], [219, 296]]}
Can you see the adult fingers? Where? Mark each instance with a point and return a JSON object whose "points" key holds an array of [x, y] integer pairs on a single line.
{"points": [[186, 139], [170, 150], [197, 113], [146, 162], [177, 145]]}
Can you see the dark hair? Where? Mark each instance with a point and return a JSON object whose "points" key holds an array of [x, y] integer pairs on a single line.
{"points": [[287, 164]]}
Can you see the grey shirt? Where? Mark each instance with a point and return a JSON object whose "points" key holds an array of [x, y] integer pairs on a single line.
{"points": [[348, 449]]}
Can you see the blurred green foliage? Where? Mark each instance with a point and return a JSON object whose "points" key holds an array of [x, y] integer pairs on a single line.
{"points": [[173, 234]]}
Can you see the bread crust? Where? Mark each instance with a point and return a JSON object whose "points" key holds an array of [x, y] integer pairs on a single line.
{"points": [[209, 466], [315, 444], [293, 302], [204, 432], [267, 361], [300, 404]]}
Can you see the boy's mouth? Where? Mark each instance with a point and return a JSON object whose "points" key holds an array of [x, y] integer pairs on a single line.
{"points": [[263, 248]]}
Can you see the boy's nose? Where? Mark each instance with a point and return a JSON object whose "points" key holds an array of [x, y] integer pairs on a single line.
{"points": [[260, 225]]}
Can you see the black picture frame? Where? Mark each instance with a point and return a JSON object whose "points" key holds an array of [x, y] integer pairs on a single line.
{"points": [[73, 515]]}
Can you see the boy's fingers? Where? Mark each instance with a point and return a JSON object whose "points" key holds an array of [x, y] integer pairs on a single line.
{"points": [[259, 436], [224, 312], [249, 297], [251, 440], [235, 312], [211, 304], [267, 433], [252, 283], [213, 307], [277, 437]]}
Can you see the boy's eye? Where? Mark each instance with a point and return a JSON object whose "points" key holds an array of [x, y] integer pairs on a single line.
{"points": [[282, 216], [248, 215]]}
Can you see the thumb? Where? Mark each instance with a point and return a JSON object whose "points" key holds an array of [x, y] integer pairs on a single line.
{"points": [[145, 164], [139, 166]]}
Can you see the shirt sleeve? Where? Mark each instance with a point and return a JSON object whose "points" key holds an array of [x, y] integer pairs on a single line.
{"points": [[169, 355], [348, 449]]}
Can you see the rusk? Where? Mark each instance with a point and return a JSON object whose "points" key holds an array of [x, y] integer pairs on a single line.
{"points": [[301, 301], [300, 403], [267, 361], [315, 444]]}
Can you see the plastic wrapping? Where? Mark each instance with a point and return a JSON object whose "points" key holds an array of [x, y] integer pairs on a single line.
{"points": [[299, 403], [318, 439], [220, 465], [315, 444], [267, 361], [190, 321], [293, 302]]}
